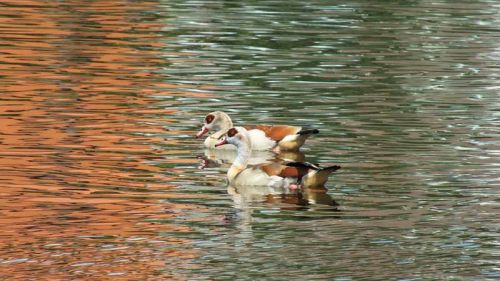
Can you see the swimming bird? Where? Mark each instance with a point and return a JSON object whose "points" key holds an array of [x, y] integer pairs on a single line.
{"points": [[277, 177], [263, 137]]}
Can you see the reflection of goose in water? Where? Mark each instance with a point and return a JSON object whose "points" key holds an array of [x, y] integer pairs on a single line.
{"points": [[263, 137], [243, 195], [270, 178], [225, 157], [246, 200]]}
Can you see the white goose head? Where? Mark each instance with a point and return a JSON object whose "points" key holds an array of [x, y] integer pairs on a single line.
{"points": [[237, 136], [217, 121]]}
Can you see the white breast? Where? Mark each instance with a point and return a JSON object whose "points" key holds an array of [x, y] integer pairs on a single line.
{"points": [[260, 141], [255, 177], [251, 177]]}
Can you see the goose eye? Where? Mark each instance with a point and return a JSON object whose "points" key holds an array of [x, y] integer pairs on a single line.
{"points": [[209, 118], [232, 132]]}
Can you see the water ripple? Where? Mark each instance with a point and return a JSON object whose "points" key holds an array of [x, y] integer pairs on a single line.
{"points": [[100, 171]]}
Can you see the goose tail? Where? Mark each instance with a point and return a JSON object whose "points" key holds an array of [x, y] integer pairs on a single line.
{"points": [[308, 132], [314, 175]]}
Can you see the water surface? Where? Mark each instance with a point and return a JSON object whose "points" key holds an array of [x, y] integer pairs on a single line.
{"points": [[99, 170]]}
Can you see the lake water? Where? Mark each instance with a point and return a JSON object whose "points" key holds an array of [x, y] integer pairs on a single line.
{"points": [[99, 170]]}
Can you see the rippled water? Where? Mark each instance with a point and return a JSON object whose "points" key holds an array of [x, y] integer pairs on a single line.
{"points": [[99, 171]]}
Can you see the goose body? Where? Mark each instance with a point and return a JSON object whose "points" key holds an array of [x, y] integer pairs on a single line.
{"points": [[263, 137], [276, 176]]}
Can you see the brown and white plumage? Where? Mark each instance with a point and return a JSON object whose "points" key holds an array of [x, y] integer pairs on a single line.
{"points": [[278, 177], [263, 137]]}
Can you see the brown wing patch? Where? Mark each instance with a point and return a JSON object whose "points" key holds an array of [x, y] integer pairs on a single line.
{"points": [[277, 132], [276, 169], [272, 169], [293, 172]]}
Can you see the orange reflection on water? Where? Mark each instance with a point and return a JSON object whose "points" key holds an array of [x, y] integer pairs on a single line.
{"points": [[78, 197]]}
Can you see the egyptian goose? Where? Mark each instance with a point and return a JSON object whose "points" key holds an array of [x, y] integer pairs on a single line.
{"points": [[277, 176], [263, 137]]}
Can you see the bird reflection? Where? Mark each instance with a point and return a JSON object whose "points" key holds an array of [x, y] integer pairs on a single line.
{"points": [[213, 158], [244, 196]]}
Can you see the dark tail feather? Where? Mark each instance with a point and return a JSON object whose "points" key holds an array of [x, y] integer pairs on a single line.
{"points": [[309, 165], [331, 168], [306, 165], [308, 132], [326, 171]]}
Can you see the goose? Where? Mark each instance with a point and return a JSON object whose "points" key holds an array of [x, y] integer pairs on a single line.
{"points": [[263, 137], [275, 177]]}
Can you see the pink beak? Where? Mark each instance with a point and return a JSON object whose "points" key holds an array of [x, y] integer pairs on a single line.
{"points": [[221, 142], [203, 131]]}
